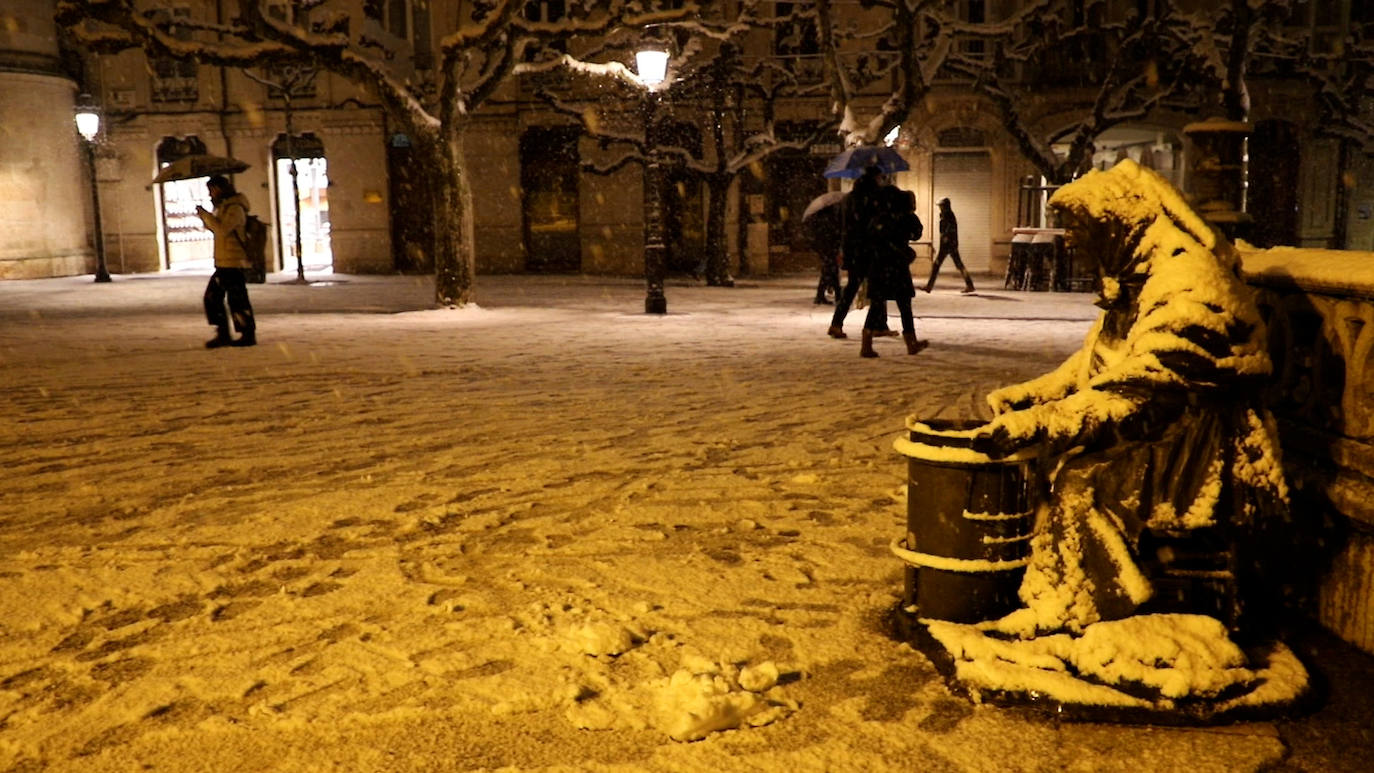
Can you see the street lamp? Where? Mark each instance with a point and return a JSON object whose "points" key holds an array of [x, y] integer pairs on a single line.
{"points": [[88, 125], [651, 63]]}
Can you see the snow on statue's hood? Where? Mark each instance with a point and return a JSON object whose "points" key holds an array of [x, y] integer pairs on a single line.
{"points": [[1122, 208]]}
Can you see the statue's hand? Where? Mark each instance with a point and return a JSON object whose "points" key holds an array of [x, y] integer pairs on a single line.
{"points": [[995, 440], [1007, 399]]}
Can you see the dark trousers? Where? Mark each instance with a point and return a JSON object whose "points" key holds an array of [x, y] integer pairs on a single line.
{"points": [[830, 278], [229, 283], [877, 315], [843, 300], [953, 253]]}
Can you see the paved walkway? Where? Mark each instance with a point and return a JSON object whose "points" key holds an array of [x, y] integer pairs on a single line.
{"points": [[549, 532]]}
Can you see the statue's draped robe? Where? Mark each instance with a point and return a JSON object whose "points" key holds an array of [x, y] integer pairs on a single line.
{"points": [[1156, 422]]}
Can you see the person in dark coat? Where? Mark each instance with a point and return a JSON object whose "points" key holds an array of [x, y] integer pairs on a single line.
{"points": [[823, 231], [893, 226], [856, 210], [949, 248]]}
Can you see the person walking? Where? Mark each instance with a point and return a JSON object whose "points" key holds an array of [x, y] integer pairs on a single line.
{"points": [[822, 230], [949, 248], [893, 227], [231, 259], [855, 212]]}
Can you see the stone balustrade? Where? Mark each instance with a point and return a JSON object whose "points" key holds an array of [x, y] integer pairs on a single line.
{"points": [[1320, 309]]}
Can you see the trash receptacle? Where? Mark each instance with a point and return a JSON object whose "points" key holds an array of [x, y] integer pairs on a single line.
{"points": [[969, 523]]}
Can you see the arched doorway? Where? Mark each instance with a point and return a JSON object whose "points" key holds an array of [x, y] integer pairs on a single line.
{"points": [[548, 180], [312, 185], [186, 244], [961, 171]]}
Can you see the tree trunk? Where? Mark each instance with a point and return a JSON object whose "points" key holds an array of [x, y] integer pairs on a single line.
{"points": [[717, 263], [454, 263]]}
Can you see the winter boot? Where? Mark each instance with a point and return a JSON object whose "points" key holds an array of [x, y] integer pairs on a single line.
{"points": [[968, 289], [836, 331], [221, 338], [912, 345], [247, 339], [866, 348]]}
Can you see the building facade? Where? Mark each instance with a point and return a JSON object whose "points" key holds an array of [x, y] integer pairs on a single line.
{"points": [[45, 212], [362, 204]]}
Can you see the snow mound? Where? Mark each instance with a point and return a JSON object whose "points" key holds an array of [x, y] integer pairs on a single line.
{"points": [[696, 700], [703, 698], [1155, 662]]}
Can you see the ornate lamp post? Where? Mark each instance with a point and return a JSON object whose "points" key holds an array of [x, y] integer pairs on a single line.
{"points": [[88, 125], [651, 63]]}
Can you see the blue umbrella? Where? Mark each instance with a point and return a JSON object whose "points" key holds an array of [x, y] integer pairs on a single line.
{"points": [[851, 163]]}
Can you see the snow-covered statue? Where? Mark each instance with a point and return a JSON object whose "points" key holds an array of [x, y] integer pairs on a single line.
{"points": [[1156, 422]]}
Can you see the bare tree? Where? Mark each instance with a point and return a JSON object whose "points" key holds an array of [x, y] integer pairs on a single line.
{"points": [[733, 95], [1231, 43], [487, 47], [1106, 63], [1107, 71], [887, 44]]}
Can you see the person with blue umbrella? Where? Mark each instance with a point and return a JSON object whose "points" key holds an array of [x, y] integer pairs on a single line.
{"points": [[856, 250], [869, 166]]}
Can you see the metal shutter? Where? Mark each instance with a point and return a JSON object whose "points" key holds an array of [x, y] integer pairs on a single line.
{"points": [[966, 180]]}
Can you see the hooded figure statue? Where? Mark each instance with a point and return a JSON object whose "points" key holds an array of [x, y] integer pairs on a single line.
{"points": [[1156, 423]]}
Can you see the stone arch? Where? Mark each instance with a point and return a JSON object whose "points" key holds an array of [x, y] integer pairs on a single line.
{"points": [[185, 244], [312, 181]]}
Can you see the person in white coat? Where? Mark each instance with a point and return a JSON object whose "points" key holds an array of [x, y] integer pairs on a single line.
{"points": [[231, 260]]}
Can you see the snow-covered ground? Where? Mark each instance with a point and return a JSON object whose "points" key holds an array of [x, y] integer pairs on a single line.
{"points": [[548, 532]]}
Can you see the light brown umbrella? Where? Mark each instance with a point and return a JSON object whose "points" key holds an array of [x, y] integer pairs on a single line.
{"points": [[200, 165]]}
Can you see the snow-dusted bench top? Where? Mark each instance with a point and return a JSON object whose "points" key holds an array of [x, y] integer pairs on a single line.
{"points": [[1336, 272]]}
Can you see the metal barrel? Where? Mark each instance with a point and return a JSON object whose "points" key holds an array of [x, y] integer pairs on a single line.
{"points": [[969, 523]]}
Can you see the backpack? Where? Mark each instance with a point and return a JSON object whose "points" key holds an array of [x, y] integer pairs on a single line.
{"points": [[254, 241]]}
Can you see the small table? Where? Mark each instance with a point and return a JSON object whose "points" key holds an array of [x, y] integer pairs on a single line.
{"points": [[1038, 260]]}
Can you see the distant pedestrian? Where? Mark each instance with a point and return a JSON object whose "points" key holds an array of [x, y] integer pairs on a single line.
{"points": [[855, 212], [949, 248], [231, 260], [823, 231], [893, 227]]}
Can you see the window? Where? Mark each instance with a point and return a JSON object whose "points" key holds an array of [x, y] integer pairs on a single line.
{"points": [[798, 42], [174, 80], [961, 137], [297, 79], [407, 20], [973, 12], [544, 12], [398, 18], [1326, 21]]}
